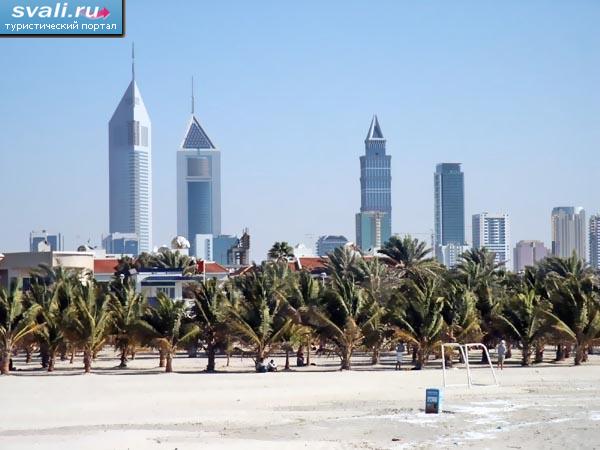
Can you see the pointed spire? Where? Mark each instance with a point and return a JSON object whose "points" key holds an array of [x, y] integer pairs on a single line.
{"points": [[375, 129], [133, 61], [192, 95]]}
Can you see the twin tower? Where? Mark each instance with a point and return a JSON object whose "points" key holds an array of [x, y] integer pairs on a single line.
{"points": [[130, 178]]}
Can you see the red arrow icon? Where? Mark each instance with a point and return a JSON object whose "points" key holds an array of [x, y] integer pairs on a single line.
{"points": [[102, 14]]}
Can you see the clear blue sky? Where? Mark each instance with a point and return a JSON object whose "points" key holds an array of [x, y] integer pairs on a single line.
{"points": [[286, 90]]}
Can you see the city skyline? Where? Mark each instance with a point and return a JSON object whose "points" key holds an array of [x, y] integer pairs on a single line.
{"points": [[496, 117]]}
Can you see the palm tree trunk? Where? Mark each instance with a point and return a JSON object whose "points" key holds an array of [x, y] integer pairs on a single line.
{"points": [[422, 355], [484, 357], [346, 357], [539, 353], [308, 352], [210, 353], [87, 361], [169, 365], [5, 365], [414, 354], [526, 360], [51, 360], [44, 356], [123, 358], [579, 351], [287, 359], [27, 354], [72, 357], [560, 352], [375, 355], [161, 358], [567, 351]]}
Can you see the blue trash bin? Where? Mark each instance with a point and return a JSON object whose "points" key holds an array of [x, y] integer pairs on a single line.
{"points": [[433, 401]]}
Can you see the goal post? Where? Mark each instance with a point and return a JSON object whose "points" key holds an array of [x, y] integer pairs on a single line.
{"points": [[464, 351]]}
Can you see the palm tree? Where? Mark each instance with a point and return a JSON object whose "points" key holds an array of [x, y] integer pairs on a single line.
{"points": [[281, 251], [459, 313], [165, 327], [377, 283], [88, 320], [50, 336], [573, 291], [209, 312], [260, 317], [408, 253], [343, 317], [346, 263], [168, 259], [345, 313], [479, 272], [305, 292], [416, 312], [127, 309], [17, 322], [527, 318], [294, 337]]}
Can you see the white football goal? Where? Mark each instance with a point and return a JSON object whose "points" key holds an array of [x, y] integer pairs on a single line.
{"points": [[464, 352]]}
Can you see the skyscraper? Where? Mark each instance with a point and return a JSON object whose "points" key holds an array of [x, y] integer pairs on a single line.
{"points": [[121, 243], [527, 253], [449, 211], [374, 221], [198, 184], [328, 243], [568, 231], [130, 166], [492, 231], [595, 241], [42, 241]]}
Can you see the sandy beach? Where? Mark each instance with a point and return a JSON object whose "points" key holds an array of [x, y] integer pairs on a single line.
{"points": [[318, 407]]}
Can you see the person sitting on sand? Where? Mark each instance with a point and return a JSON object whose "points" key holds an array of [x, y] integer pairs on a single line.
{"points": [[501, 353], [261, 367], [272, 367], [399, 352]]}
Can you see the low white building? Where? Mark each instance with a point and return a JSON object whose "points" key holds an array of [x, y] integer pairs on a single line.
{"points": [[448, 254], [19, 265]]}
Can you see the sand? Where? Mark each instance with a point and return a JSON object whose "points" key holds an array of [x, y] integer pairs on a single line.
{"points": [[372, 407]]}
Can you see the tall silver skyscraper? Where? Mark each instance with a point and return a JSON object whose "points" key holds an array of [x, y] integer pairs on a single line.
{"points": [[130, 166], [568, 231], [374, 221], [198, 185], [449, 210], [595, 241]]}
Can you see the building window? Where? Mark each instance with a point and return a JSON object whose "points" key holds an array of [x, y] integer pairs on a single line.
{"points": [[133, 133], [168, 291], [198, 167], [144, 136]]}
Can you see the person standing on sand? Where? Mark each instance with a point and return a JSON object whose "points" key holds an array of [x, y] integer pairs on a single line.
{"points": [[501, 353], [399, 352]]}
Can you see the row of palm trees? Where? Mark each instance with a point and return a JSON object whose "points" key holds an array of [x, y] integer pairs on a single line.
{"points": [[365, 303]]}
